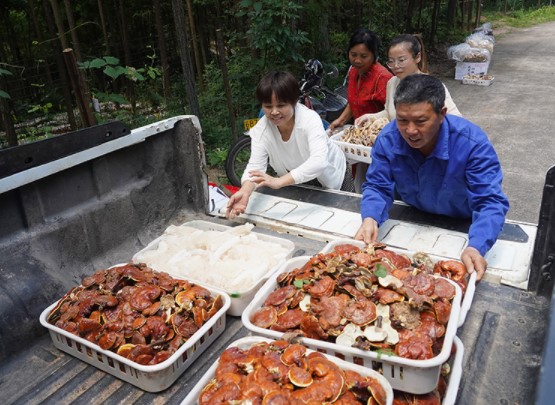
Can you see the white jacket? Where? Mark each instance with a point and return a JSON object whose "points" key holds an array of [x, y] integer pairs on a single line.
{"points": [[308, 154]]}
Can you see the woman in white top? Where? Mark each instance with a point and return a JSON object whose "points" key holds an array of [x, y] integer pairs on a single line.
{"points": [[405, 57], [292, 138]]}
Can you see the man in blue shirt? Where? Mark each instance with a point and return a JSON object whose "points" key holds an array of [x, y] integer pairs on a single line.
{"points": [[438, 163]]}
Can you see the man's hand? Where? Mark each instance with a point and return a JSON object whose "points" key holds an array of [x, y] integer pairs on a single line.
{"points": [[368, 231], [474, 261]]}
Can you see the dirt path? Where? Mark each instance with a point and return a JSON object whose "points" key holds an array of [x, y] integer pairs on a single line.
{"points": [[517, 112]]}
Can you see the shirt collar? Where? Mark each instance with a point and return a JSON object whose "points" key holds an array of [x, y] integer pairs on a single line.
{"points": [[441, 151]]}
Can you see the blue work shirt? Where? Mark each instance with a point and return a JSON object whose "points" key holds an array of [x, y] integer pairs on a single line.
{"points": [[461, 178]]}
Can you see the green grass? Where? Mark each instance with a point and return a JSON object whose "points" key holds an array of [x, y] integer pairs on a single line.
{"points": [[520, 18]]}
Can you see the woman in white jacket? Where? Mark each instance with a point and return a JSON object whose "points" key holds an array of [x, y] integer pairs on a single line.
{"points": [[292, 138], [406, 57]]}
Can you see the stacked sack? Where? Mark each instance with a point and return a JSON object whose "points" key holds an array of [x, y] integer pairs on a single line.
{"points": [[474, 55]]}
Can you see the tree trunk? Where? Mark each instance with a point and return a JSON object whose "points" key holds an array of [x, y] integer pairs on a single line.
{"points": [[74, 38], [469, 13], [10, 34], [80, 89], [323, 34], [40, 38], [223, 66], [104, 29], [162, 49], [6, 116], [452, 14], [204, 39], [185, 55], [419, 21], [195, 43], [126, 55], [435, 17], [408, 16], [61, 66], [59, 23], [478, 13]]}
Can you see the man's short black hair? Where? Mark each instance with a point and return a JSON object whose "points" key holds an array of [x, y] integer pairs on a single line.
{"points": [[417, 88]]}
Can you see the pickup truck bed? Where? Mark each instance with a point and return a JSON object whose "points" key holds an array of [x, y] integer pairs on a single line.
{"points": [[57, 231]]}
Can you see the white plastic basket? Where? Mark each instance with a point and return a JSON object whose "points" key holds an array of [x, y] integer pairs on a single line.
{"points": [[239, 299], [353, 152], [413, 376], [246, 342], [149, 378], [478, 80], [455, 376], [471, 283]]}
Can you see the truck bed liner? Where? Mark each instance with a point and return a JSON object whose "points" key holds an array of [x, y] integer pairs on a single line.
{"points": [[502, 335], [120, 195]]}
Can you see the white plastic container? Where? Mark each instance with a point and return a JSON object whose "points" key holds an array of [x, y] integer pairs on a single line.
{"points": [[470, 68], [246, 342], [239, 299], [413, 376], [471, 283], [149, 378], [455, 376], [480, 80], [353, 152]]}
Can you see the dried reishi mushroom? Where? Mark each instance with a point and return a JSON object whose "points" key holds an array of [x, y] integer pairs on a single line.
{"points": [[135, 312], [349, 287], [375, 332], [304, 305], [390, 281]]}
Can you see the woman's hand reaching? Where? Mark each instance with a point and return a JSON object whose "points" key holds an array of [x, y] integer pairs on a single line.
{"points": [[237, 203], [264, 179], [363, 119]]}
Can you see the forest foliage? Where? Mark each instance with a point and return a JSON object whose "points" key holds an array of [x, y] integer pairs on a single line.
{"points": [[141, 61]]}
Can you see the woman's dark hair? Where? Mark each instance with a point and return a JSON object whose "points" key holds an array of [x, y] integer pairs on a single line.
{"points": [[415, 89], [283, 84], [366, 37], [415, 47]]}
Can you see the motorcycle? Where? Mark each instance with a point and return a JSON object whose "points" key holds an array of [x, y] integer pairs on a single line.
{"points": [[314, 94]]}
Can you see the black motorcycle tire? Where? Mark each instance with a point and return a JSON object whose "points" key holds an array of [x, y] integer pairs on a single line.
{"points": [[237, 159]]}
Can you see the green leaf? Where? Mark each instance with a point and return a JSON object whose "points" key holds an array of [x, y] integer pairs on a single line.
{"points": [[97, 63], [380, 271], [235, 295], [111, 60], [3, 94], [5, 72], [137, 76], [388, 352], [298, 283], [114, 72], [257, 6], [118, 98]]}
